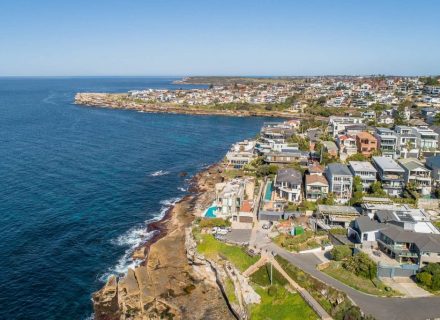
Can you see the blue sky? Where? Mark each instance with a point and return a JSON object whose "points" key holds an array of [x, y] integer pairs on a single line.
{"points": [[218, 37]]}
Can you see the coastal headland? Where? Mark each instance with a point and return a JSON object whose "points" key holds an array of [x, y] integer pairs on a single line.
{"points": [[123, 101], [166, 285]]}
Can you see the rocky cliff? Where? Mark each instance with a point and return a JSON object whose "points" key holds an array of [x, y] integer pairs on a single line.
{"points": [[169, 284]]}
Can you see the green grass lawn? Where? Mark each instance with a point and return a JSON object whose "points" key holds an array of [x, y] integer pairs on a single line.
{"points": [[374, 287], [281, 305], [230, 291], [213, 249], [277, 298], [262, 277]]}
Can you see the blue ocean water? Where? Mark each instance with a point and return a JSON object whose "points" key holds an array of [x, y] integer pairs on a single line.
{"points": [[78, 185]]}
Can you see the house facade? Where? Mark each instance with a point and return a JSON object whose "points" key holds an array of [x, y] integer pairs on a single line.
{"points": [[366, 144], [288, 184], [316, 187], [390, 174], [417, 174], [340, 181], [365, 171]]}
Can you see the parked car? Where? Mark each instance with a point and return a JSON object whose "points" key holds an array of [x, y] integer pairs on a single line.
{"points": [[266, 226]]}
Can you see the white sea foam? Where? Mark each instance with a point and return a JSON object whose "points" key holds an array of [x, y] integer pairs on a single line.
{"points": [[159, 173], [134, 238], [182, 189]]}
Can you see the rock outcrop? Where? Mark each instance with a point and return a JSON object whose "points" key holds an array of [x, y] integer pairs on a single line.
{"points": [[167, 285]]}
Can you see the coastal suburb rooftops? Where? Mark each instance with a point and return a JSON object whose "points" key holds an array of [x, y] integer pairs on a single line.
{"points": [[338, 169], [388, 164], [359, 166]]}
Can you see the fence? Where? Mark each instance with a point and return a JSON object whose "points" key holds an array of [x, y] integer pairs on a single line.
{"points": [[404, 270]]}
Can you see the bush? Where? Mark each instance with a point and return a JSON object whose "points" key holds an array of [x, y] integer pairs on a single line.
{"points": [[424, 278], [430, 276], [266, 170], [272, 291], [214, 222], [340, 252], [361, 265]]}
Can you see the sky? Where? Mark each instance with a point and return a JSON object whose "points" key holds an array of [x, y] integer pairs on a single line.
{"points": [[219, 37]]}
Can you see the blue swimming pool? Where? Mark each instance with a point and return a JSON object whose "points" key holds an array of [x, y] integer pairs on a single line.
{"points": [[268, 195], [209, 213]]}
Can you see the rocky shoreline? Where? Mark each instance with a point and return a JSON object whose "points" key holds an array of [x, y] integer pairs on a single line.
{"points": [[172, 278], [121, 101]]}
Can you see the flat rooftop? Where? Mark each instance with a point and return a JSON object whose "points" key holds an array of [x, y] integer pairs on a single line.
{"points": [[387, 164], [362, 166]]}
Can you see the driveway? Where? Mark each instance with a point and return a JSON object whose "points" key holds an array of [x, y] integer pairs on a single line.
{"points": [[381, 308], [406, 286]]}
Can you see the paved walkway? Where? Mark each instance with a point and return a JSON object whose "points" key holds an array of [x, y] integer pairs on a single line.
{"points": [[381, 308], [254, 268]]}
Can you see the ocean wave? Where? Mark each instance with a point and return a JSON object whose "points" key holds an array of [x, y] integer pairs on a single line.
{"points": [[182, 189], [159, 173], [134, 238]]}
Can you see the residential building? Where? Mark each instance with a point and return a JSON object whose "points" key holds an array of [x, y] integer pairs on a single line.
{"points": [[417, 174], [387, 142], [331, 148], [336, 216], [415, 220], [365, 230], [410, 247], [346, 145], [365, 171], [406, 142], [316, 187], [288, 184], [433, 163], [340, 181], [286, 157], [390, 174], [366, 143], [229, 197], [427, 138], [338, 124]]}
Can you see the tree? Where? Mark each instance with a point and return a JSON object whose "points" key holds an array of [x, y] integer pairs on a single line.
{"points": [[436, 120], [399, 117], [341, 252], [357, 157], [424, 278], [266, 170], [361, 265], [329, 200], [358, 191], [376, 189]]}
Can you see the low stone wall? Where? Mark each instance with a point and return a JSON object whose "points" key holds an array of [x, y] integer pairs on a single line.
{"points": [[429, 204]]}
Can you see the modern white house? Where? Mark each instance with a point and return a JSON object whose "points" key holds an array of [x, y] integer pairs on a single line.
{"points": [[427, 138], [387, 142], [365, 171], [340, 181]]}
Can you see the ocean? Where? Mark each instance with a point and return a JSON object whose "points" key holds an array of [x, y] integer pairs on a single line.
{"points": [[79, 184]]}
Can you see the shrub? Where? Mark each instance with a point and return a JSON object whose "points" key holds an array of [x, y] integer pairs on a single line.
{"points": [[340, 252], [214, 222], [424, 278], [272, 291], [361, 265]]}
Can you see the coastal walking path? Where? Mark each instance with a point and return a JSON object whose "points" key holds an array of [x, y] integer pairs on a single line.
{"points": [[253, 238], [267, 258], [394, 308]]}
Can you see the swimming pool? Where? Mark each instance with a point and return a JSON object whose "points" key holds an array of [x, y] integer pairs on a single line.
{"points": [[209, 213], [268, 195]]}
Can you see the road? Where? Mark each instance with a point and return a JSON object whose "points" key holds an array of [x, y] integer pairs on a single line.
{"points": [[379, 307]]}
